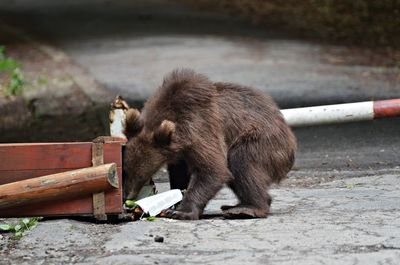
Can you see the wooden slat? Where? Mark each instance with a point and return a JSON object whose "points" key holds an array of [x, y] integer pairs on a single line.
{"points": [[98, 199], [7, 176], [54, 156], [65, 185], [79, 206], [113, 153], [61, 157], [45, 156]]}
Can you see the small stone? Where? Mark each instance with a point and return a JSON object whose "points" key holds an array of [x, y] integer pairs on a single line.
{"points": [[159, 239]]}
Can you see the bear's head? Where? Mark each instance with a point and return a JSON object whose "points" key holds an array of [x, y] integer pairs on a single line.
{"points": [[146, 151]]}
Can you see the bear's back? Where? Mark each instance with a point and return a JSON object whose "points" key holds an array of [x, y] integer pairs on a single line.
{"points": [[182, 94], [186, 97]]}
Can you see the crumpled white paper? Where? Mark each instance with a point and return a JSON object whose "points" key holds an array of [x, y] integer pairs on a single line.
{"points": [[153, 205]]}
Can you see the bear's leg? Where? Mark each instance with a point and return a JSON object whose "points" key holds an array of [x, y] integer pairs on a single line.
{"points": [[179, 175], [250, 183], [209, 175], [228, 207]]}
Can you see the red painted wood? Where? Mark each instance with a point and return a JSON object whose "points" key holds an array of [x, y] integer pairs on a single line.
{"points": [[53, 156], [66, 185], [79, 206], [113, 153], [7, 176], [23, 161], [45, 156], [386, 108]]}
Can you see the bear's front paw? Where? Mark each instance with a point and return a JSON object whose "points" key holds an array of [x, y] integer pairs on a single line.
{"points": [[180, 215]]}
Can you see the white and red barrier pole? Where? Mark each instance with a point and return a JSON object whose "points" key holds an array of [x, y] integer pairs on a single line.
{"points": [[341, 113]]}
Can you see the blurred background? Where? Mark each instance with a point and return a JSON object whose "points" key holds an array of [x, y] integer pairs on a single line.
{"points": [[63, 62]]}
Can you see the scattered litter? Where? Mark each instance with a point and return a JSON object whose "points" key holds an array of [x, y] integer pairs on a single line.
{"points": [[153, 205], [159, 239], [130, 203]]}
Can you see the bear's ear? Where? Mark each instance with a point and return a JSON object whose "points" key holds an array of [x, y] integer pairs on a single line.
{"points": [[133, 123], [163, 134]]}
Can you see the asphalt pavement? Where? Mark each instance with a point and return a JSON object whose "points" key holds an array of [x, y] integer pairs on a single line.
{"points": [[341, 202]]}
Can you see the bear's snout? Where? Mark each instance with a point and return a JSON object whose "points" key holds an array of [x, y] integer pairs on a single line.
{"points": [[130, 195]]}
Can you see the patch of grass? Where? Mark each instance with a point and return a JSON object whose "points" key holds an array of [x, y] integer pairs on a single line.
{"points": [[352, 185], [72, 228], [12, 73], [7, 64], [21, 227], [2, 52], [16, 83]]}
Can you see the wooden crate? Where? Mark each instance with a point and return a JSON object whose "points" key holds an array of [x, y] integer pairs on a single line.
{"points": [[24, 161]]}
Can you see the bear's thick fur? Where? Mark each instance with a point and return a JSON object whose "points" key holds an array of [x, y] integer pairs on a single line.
{"points": [[209, 134]]}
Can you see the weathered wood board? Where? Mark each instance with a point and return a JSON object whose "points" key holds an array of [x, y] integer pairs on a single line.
{"points": [[24, 161]]}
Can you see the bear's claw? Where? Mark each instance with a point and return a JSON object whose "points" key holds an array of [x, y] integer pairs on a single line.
{"points": [[179, 215]]}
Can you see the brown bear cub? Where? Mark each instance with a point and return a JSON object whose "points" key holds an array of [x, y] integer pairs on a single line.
{"points": [[209, 134]]}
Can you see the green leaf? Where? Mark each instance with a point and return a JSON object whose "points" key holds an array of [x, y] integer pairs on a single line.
{"points": [[130, 203], [24, 225], [5, 227], [151, 218], [8, 64], [2, 52], [16, 83], [33, 222]]}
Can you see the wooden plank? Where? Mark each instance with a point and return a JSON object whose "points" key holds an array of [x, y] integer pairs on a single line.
{"points": [[78, 206], [17, 165], [99, 206], [98, 199], [45, 156], [113, 153], [8, 176], [54, 156], [70, 184]]}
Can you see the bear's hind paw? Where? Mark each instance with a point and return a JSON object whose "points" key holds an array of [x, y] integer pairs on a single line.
{"points": [[227, 207], [242, 212]]}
